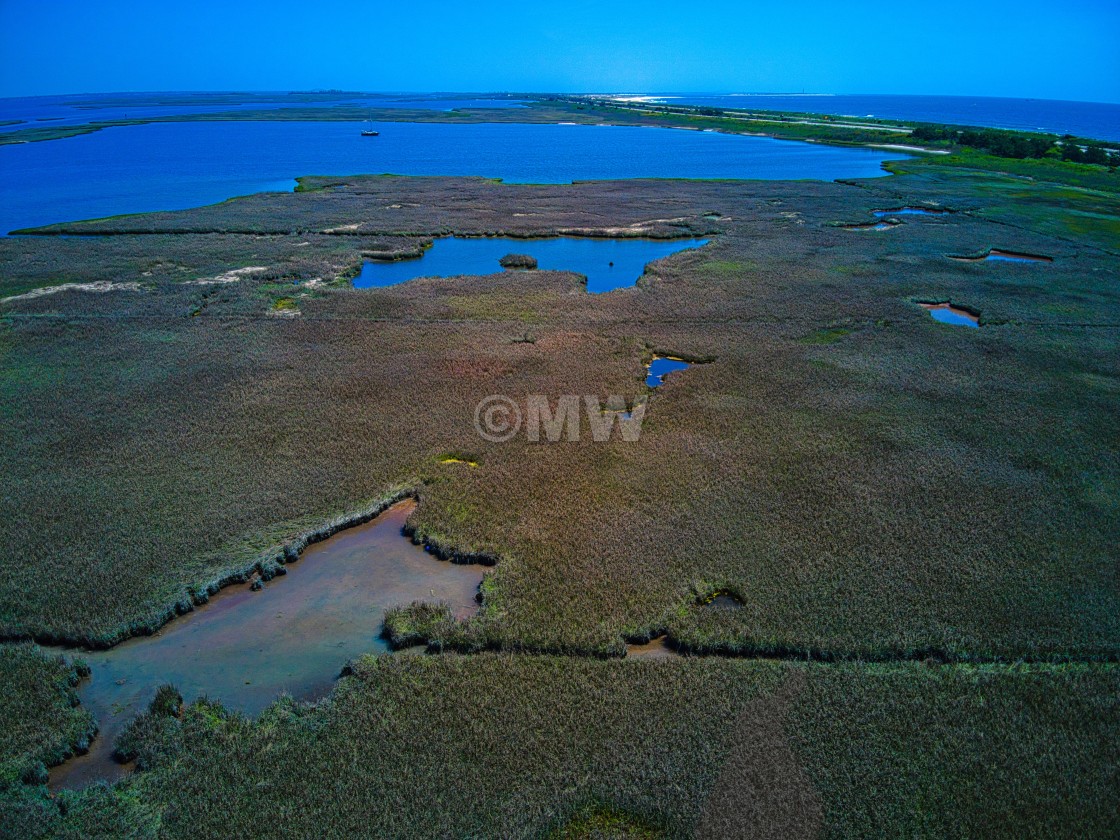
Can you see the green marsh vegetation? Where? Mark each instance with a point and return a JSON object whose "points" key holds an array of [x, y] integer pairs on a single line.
{"points": [[874, 487], [528, 746], [139, 434]]}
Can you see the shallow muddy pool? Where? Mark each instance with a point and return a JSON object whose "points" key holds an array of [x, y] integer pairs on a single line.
{"points": [[660, 367], [245, 648], [948, 314], [607, 264], [657, 648]]}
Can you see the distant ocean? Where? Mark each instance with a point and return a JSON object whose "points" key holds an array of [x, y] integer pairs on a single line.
{"points": [[1096, 120]]}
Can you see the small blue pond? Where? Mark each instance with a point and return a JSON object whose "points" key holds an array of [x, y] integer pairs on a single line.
{"points": [[1008, 256], [947, 314], [660, 367], [607, 264], [909, 211], [996, 255]]}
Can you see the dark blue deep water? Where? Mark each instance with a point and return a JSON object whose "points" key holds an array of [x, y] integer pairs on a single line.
{"points": [[607, 264], [170, 166], [1096, 120]]}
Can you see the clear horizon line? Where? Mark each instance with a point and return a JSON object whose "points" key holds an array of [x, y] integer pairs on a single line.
{"points": [[512, 92]]}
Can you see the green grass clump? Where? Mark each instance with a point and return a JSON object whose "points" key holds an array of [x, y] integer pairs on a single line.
{"points": [[150, 736], [418, 623], [827, 335], [284, 304]]}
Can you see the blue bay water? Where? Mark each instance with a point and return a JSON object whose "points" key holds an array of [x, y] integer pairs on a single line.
{"points": [[1098, 120], [170, 166], [607, 264]]}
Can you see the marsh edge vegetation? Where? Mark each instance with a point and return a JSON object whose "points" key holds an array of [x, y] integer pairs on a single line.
{"points": [[675, 747]]}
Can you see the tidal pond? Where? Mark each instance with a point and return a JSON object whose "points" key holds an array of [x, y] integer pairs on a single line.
{"points": [[949, 314], [909, 211], [607, 264], [660, 367], [244, 648], [996, 255]]}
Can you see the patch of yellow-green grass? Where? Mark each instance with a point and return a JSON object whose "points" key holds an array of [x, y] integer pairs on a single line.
{"points": [[1102, 492], [1097, 225], [827, 335], [1038, 169], [1111, 384], [728, 269], [606, 823], [454, 459], [499, 306], [284, 304], [1067, 310]]}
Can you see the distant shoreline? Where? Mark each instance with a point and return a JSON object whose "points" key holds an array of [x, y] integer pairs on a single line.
{"points": [[543, 108]]}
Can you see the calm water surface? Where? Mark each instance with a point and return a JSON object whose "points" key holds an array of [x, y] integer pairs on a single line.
{"points": [[606, 263], [947, 314], [244, 648], [909, 211], [1008, 256], [170, 166], [660, 367], [996, 255]]}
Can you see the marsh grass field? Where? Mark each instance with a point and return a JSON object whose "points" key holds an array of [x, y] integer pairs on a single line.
{"points": [[918, 522]]}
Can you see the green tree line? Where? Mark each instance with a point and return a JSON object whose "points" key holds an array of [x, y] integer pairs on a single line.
{"points": [[1017, 144]]}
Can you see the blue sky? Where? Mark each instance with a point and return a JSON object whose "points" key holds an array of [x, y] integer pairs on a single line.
{"points": [[1025, 48]]}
